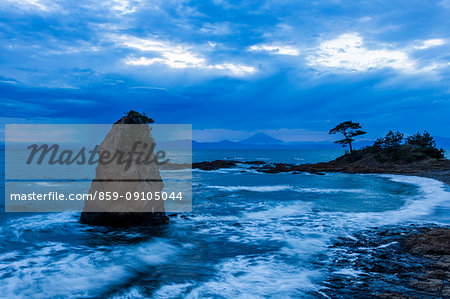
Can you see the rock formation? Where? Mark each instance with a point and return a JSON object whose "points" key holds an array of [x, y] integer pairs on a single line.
{"points": [[124, 179]]}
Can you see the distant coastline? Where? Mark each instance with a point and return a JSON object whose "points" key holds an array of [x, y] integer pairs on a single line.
{"points": [[264, 141]]}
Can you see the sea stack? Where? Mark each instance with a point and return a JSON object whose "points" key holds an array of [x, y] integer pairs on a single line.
{"points": [[122, 181]]}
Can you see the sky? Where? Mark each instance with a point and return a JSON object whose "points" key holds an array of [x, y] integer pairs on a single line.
{"points": [[292, 69]]}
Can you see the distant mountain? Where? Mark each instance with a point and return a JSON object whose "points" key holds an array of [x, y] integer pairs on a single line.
{"points": [[263, 141], [224, 144], [261, 138]]}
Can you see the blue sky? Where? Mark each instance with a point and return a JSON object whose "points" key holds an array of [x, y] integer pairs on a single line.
{"points": [[292, 69]]}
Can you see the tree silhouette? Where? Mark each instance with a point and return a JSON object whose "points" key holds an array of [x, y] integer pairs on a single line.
{"points": [[424, 140], [138, 118], [350, 130], [392, 139]]}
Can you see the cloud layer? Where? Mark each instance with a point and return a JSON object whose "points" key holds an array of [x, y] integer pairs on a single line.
{"points": [[243, 67]]}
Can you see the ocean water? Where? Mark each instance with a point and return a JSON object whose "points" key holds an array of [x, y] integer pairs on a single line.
{"points": [[250, 235]]}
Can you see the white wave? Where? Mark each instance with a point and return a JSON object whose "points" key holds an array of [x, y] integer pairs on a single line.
{"points": [[325, 190], [221, 170], [176, 170], [47, 184], [348, 272], [279, 211], [417, 208], [59, 270], [387, 244], [273, 188], [134, 292], [211, 218], [39, 222], [171, 290], [274, 220], [298, 159], [432, 194], [252, 277]]}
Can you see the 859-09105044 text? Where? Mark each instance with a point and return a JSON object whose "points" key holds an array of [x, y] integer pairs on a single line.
{"points": [[103, 196]]}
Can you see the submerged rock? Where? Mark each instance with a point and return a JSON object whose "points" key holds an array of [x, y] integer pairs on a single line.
{"points": [[214, 165], [123, 219], [219, 164], [119, 180]]}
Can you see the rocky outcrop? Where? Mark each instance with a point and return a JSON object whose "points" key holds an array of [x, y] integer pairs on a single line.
{"points": [[211, 165], [432, 245], [214, 165], [391, 262], [119, 219], [218, 164], [433, 168], [117, 179], [429, 243]]}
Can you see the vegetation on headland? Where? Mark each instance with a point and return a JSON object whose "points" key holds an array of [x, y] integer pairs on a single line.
{"points": [[392, 148], [416, 154]]}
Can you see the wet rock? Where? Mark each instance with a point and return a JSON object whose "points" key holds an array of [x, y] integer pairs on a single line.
{"points": [[116, 219], [436, 274], [446, 291], [386, 268], [214, 165], [443, 265], [391, 296], [254, 162], [219, 164], [431, 285], [316, 173], [431, 242]]}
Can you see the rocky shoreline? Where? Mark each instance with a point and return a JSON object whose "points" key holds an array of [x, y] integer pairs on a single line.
{"points": [[391, 262], [406, 262], [430, 168]]}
